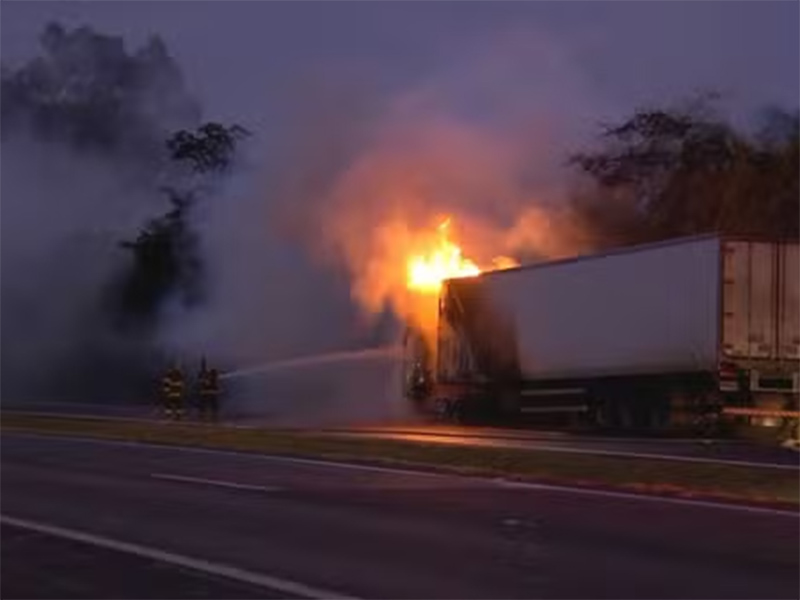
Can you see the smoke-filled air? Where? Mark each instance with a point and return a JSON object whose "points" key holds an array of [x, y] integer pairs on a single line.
{"points": [[457, 173], [461, 172], [138, 232], [83, 130]]}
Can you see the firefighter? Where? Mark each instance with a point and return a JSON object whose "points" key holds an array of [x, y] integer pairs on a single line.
{"points": [[173, 388], [208, 381]]}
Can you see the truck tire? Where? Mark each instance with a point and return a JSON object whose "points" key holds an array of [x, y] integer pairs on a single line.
{"points": [[450, 410], [594, 416], [441, 409], [461, 412]]}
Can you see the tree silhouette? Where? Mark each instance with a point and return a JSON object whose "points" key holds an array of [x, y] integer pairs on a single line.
{"points": [[210, 149], [87, 90], [671, 172], [116, 108], [166, 257]]}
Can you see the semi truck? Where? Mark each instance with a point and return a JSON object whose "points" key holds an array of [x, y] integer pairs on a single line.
{"points": [[645, 337]]}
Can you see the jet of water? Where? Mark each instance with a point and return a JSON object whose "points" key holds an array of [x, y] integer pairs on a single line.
{"points": [[392, 352]]}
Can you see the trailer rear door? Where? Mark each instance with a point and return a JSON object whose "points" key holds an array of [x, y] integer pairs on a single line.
{"points": [[760, 300], [790, 305]]}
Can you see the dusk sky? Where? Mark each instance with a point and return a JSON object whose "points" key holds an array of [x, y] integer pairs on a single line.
{"points": [[387, 115], [246, 60]]}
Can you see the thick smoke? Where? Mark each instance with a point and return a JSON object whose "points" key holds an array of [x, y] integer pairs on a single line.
{"points": [[312, 264], [83, 157], [484, 140], [316, 263], [270, 302]]}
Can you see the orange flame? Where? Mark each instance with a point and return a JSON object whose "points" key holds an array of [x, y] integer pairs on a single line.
{"points": [[426, 272]]}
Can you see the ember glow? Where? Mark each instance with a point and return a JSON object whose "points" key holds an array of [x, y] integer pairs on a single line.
{"points": [[444, 260]]}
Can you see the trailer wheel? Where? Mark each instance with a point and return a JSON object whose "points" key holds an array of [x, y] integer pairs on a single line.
{"points": [[445, 409], [441, 408], [593, 417], [598, 415], [614, 421], [458, 410], [659, 410]]}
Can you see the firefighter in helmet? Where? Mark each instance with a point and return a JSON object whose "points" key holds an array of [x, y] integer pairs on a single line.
{"points": [[209, 389], [173, 389]]}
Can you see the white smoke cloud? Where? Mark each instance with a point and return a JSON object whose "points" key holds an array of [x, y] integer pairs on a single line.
{"points": [[63, 216], [83, 157], [356, 183]]}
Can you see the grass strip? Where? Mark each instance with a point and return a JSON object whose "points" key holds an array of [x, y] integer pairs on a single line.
{"points": [[661, 476]]}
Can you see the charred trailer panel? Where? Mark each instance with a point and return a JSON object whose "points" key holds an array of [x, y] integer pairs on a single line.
{"points": [[645, 337], [477, 368], [418, 367]]}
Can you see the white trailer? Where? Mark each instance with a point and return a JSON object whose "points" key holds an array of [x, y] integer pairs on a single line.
{"points": [[628, 336]]}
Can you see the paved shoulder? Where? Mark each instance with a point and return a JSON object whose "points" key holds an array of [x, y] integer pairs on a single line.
{"points": [[38, 565]]}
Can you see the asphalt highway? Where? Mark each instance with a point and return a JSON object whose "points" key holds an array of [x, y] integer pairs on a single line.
{"points": [[38, 565], [80, 518]]}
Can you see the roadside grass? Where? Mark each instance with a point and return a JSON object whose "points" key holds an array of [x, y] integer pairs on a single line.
{"points": [[738, 483]]}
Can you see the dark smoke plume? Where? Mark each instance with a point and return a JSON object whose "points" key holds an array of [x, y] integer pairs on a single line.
{"points": [[84, 127]]}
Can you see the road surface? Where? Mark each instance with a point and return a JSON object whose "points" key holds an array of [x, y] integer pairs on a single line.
{"points": [[80, 517]]}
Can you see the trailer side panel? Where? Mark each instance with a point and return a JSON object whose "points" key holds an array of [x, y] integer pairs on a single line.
{"points": [[648, 310]]}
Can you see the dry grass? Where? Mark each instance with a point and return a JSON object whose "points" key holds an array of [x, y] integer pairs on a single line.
{"points": [[734, 482]]}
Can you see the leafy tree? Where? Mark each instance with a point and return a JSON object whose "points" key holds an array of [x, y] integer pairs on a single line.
{"points": [[88, 94], [210, 149], [166, 254], [164, 258], [671, 172], [85, 89]]}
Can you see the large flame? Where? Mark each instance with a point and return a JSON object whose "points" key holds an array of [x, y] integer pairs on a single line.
{"points": [[426, 272]]}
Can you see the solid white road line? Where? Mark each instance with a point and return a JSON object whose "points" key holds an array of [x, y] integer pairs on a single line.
{"points": [[148, 418], [670, 457], [215, 482], [267, 581], [399, 471], [647, 498], [544, 447], [312, 462]]}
